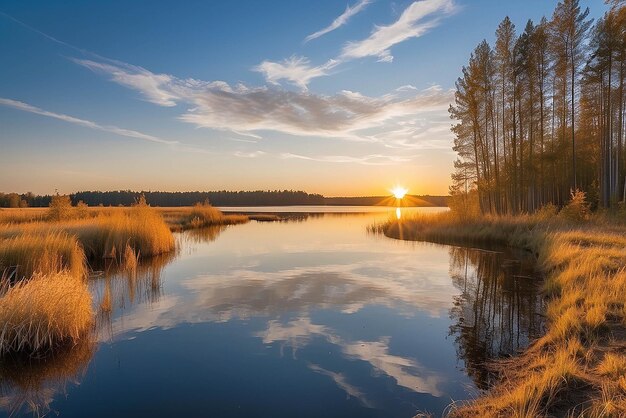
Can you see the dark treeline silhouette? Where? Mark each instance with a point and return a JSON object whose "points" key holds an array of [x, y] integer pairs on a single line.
{"points": [[216, 198], [542, 113]]}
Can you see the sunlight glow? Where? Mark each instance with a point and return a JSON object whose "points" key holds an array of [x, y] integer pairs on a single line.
{"points": [[399, 192]]}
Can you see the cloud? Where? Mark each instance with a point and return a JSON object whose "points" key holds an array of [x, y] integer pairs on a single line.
{"points": [[253, 154], [152, 86], [412, 23], [407, 87], [82, 122], [296, 70], [341, 20], [247, 110], [372, 159], [415, 21]]}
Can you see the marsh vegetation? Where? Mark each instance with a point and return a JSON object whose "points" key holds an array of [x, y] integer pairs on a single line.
{"points": [[46, 258], [576, 367]]}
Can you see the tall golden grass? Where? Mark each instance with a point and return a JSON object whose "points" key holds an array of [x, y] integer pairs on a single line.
{"points": [[48, 253], [107, 235], [200, 215], [44, 312], [577, 368], [47, 303]]}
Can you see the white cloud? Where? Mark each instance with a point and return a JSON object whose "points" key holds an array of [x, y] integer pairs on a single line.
{"points": [[154, 87], [341, 20], [407, 87], [82, 122], [412, 23], [252, 154], [372, 159], [415, 21], [296, 70], [247, 110]]}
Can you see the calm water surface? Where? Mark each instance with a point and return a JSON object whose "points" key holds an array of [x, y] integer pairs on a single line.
{"points": [[309, 318]]}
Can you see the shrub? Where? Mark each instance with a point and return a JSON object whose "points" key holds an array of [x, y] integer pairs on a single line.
{"points": [[577, 209], [60, 208]]}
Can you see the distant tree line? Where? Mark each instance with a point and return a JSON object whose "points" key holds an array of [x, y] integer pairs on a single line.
{"points": [[216, 198], [542, 113], [15, 200]]}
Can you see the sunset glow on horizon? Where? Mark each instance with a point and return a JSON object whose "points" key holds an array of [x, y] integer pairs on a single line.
{"points": [[341, 103]]}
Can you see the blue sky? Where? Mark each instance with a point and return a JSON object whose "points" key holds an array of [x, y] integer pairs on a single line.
{"points": [[332, 97]]}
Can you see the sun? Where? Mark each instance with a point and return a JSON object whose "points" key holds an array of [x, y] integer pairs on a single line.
{"points": [[399, 192]]}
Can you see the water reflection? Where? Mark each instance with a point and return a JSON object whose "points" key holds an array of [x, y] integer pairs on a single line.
{"points": [[355, 321], [29, 385], [118, 289], [497, 312], [200, 235]]}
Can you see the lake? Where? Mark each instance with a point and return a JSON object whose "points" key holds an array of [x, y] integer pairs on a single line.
{"points": [[308, 317]]}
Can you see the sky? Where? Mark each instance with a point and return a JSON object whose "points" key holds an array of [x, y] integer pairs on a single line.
{"points": [[342, 98]]}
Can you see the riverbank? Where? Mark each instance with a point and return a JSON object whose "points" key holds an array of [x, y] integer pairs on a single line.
{"points": [[46, 257], [579, 366]]}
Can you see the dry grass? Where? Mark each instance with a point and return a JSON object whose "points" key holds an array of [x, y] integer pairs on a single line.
{"points": [[200, 215], [44, 312], [52, 252], [578, 367], [22, 215], [107, 235], [47, 304]]}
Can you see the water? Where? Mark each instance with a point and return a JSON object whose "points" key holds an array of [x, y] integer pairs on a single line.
{"points": [[311, 317]]}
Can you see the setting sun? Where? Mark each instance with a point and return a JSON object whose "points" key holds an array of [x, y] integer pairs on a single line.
{"points": [[399, 192]]}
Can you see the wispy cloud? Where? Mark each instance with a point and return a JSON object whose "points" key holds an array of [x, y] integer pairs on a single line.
{"points": [[252, 154], [248, 110], [341, 20], [415, 21], [83, 122], [296, 70], [372, 159]]}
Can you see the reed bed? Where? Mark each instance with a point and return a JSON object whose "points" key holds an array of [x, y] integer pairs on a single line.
{"points": [[44, 312], [44, 299], [201, 215], [578, 367], [107, 235], [49, 253]]}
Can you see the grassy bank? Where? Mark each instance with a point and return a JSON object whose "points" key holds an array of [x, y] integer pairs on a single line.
{"points": [[578, 368], [46, 254], [199, 216], [44, 299]]}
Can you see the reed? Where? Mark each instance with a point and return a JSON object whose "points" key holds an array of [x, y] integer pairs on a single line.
{"points": [[201, 215], [577, 368], [48, 253], [44, 312], [107, 235]]}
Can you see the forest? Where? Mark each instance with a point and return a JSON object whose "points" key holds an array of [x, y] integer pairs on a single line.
{"points": [[540, 114], [215, 198]]}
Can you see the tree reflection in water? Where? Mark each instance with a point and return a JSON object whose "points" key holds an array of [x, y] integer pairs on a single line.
{"points": [[498, 311]]}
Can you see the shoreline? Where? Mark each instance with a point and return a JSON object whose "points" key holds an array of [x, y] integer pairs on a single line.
{"points": [[579, 365]]}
